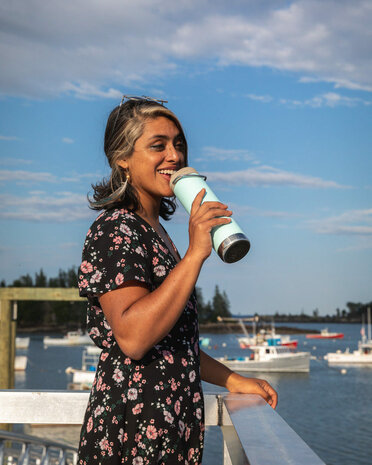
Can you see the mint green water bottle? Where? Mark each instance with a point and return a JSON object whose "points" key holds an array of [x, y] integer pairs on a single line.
{"points": [[228, 240]]}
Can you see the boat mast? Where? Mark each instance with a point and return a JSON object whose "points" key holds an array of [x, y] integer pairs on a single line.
{"points": [[369, 322]]}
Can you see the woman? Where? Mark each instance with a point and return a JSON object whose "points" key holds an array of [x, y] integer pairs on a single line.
{"points": [[146, 404]]}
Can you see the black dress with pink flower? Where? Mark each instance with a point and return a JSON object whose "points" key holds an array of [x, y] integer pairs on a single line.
{"points": [[148, 411]]}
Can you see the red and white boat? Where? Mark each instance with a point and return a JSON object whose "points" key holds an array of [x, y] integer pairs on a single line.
{"points": [[263, 337], [267, 339], [325, 334]]}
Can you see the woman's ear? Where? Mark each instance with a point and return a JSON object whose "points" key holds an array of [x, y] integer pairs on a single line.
{"points": [[123, 164]]}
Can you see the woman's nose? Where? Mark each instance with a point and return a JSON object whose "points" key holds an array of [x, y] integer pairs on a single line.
{"points": [[173, 153]]}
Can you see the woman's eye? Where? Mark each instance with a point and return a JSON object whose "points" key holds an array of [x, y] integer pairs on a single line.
{"points": [[158, 147]]}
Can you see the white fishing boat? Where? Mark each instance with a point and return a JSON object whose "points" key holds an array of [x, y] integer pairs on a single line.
{"points": [[20, 363], [84, 376], [72, 338], [270, 359], [22, 342], [361, 356]]}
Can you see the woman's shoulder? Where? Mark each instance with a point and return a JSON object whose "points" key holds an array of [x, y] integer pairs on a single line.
{"points": [[116, 229], [117, 219]]}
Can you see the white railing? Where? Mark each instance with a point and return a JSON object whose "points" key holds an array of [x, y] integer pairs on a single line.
{"points": [[253, 432]]}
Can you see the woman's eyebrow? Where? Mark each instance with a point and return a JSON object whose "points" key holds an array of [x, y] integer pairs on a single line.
{"points": [[163, 136]]}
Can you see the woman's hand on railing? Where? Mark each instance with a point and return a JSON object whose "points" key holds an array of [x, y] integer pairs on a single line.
{"points": [[240, 384]]}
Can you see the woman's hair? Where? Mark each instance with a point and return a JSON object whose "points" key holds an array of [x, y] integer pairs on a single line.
{"points": [[125, 126]]}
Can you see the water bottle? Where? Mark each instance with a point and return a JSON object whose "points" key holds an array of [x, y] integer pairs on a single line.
{"points": [[228, 240]]}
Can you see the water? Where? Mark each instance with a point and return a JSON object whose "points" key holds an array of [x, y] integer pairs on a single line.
{"points": [[331, 411]]}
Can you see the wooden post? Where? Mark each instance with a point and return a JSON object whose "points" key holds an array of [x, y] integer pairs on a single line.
{"points": [[8, 317], [13, 333], [6, 343]]}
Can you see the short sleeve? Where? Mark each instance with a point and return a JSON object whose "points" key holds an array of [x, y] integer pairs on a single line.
{"points": [[114, 252]]}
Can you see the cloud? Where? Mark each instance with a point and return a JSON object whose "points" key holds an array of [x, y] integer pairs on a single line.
{"points": [[8, 137], [26, 176], [267, 176], [15, 161], [351, 222], [35, 177], [260, 98], [37, 207], [226, 154], [80, 54], [241, 210], [329, 99], [67, 140]]}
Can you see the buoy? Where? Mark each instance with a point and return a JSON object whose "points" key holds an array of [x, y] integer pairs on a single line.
{"points": [[224, 344], [343, 371], [314, 347]]}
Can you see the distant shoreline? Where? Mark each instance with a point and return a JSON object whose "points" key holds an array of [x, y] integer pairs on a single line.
{"points": [[208, 328], [205, 328]]}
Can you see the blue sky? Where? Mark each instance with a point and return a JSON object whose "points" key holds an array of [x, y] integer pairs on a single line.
{"points": [[276, 101]]}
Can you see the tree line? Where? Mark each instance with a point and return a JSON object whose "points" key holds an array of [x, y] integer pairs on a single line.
{"points": [[353, 313], [66, 315], [50, 314], [69, 315]]}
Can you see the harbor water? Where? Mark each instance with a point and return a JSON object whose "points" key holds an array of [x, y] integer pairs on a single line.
{"points": [[329, 408]]}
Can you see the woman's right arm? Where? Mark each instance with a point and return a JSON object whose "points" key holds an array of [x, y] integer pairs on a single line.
{"points": [[139, 318]]}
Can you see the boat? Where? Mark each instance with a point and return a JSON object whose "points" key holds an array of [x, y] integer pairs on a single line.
{"points": [[325, 334], [72, 338], [270, 339], [269, 359], [263, 337], [361, 356], [84, 376], [22, 342], [20, 363]]}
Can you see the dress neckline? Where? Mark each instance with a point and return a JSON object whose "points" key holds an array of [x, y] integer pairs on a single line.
{"points": [[148, 225]]}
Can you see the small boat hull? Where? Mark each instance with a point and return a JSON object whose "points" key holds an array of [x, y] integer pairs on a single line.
{"points": [[328, 336], [296, 363], [20, 363], [83, 377], [348, 359], [22, 342], [78, 340]]}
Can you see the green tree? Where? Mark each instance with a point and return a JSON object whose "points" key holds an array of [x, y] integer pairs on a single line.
{"points": [[205, 310], [23, 281], [41, 279], [220, 305]]}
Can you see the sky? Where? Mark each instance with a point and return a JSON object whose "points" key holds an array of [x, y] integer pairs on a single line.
{"points": [[275, 98]]}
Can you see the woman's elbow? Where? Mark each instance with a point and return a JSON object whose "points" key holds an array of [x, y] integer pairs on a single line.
{"points": [[131, 349]]}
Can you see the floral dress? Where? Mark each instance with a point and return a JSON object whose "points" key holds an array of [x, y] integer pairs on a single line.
{"points": [[147, 411]]}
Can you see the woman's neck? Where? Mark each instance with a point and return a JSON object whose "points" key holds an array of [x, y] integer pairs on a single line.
{"points": [[150, 213]]}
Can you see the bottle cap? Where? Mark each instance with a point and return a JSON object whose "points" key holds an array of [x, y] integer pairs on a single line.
{"points": [[178, 175]]}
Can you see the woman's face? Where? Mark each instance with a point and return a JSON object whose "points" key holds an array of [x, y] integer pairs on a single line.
{"points": [[157, 154]]}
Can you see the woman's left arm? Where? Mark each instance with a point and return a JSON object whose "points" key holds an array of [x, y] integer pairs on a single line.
{"points": [[215, 372]]}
